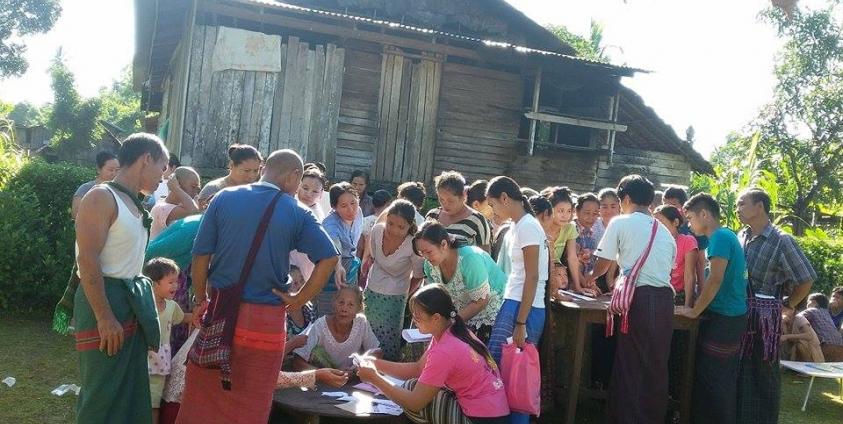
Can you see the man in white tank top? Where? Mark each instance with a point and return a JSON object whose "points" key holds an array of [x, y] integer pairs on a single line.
{"points": [[116, 320]]}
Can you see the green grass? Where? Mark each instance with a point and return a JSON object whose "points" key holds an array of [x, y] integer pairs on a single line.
{"points": [[41, 360]]}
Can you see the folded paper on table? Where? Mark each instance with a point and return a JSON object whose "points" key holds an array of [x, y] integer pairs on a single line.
{"points": [[413, 335], [363, 405], [334, 394]]}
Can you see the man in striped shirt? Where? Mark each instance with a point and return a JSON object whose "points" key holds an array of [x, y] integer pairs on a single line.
{"points": [[774, 263]]}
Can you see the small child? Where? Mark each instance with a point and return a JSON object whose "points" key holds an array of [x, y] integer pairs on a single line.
{"points": [[164, 274]]}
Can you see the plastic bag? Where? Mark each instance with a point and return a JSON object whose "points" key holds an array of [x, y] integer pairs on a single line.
{"points": [[353, 272], [521, 374]]}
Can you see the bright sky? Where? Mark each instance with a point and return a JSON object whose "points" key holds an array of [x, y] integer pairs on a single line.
{"points": [[712, 61]]}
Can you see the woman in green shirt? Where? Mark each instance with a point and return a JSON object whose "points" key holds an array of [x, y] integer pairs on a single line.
{"points": [[471, 276]]}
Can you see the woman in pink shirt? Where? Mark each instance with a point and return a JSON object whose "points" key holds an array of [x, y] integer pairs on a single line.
{"points": [[455, 361], [683, 277]]}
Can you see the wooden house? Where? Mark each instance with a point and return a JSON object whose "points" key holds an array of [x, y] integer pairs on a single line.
{"points": [[401, 88]]}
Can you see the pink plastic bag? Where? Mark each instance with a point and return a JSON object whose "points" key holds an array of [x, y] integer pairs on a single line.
{"points": [[522, 378]]}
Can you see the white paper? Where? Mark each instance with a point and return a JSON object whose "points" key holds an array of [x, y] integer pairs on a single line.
{"points": [[10, 381], [362, 404], [246, 51], [64, 388], [334, 394], [413, 335]]}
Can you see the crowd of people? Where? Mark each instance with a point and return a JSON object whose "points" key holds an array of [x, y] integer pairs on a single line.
{"points": [[272, 277]]}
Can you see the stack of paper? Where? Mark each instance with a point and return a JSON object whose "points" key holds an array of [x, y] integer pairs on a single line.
{"points": [[413, 335]]}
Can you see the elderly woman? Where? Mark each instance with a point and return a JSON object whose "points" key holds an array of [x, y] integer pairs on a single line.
{"points": [[180, 202]]}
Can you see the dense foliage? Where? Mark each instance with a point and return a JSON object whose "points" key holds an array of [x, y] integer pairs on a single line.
{"points": [[796, 146], [826, 255], [19, 18], [73, 120], [36, 231]]}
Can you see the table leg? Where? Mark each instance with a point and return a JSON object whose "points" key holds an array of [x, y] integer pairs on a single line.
{"points": [[805, 403], [688, 376], [576, 369]]}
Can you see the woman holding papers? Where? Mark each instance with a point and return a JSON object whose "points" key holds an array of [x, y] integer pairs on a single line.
{"points": [[456, 360]]}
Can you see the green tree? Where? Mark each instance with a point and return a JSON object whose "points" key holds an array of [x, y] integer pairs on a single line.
{"points": [[72, 120], [802, 127], [26, 114], [5, 109], [19, 18], [589, 48], [121, 104]]}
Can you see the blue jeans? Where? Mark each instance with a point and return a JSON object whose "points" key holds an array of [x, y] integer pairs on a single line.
{"points": [[503, 329]]}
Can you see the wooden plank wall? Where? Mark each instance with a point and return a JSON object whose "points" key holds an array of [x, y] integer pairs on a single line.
{"points": [[554, 168], [409, 99], [296, 108], [173, 102], [479, 114], [659, 167], [357, 128]]}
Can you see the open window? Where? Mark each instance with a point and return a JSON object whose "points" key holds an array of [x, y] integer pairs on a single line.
{"points": [[560, 112]]}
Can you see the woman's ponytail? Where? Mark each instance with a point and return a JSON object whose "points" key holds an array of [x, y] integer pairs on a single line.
{"points": [[435, 299], [501, 184]]}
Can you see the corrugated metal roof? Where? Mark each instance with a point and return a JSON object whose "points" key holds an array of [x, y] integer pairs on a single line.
{"points": [[428, 31]]}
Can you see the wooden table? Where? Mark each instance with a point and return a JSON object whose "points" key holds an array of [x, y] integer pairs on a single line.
{"points": [[308, 406], [584, 313]]}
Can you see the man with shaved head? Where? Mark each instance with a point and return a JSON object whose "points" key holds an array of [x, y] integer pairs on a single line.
{"points": [[182, 186], [222, 276]]}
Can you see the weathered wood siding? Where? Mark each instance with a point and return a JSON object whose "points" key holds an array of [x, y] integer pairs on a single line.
{"points": [[173, 102], [357, 129], [658, 167], [407, 108], [479, 114], [555, 168], [296, 108]]}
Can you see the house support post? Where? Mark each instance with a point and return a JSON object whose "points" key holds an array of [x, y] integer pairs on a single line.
{"points": [[537, 86], [616, 101]]}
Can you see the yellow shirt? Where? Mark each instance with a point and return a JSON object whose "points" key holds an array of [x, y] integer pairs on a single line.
{"points": [[567, 232]]}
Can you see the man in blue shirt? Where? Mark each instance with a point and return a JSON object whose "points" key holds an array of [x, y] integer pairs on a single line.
{"points": [[723, 302], [219, 253]]}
